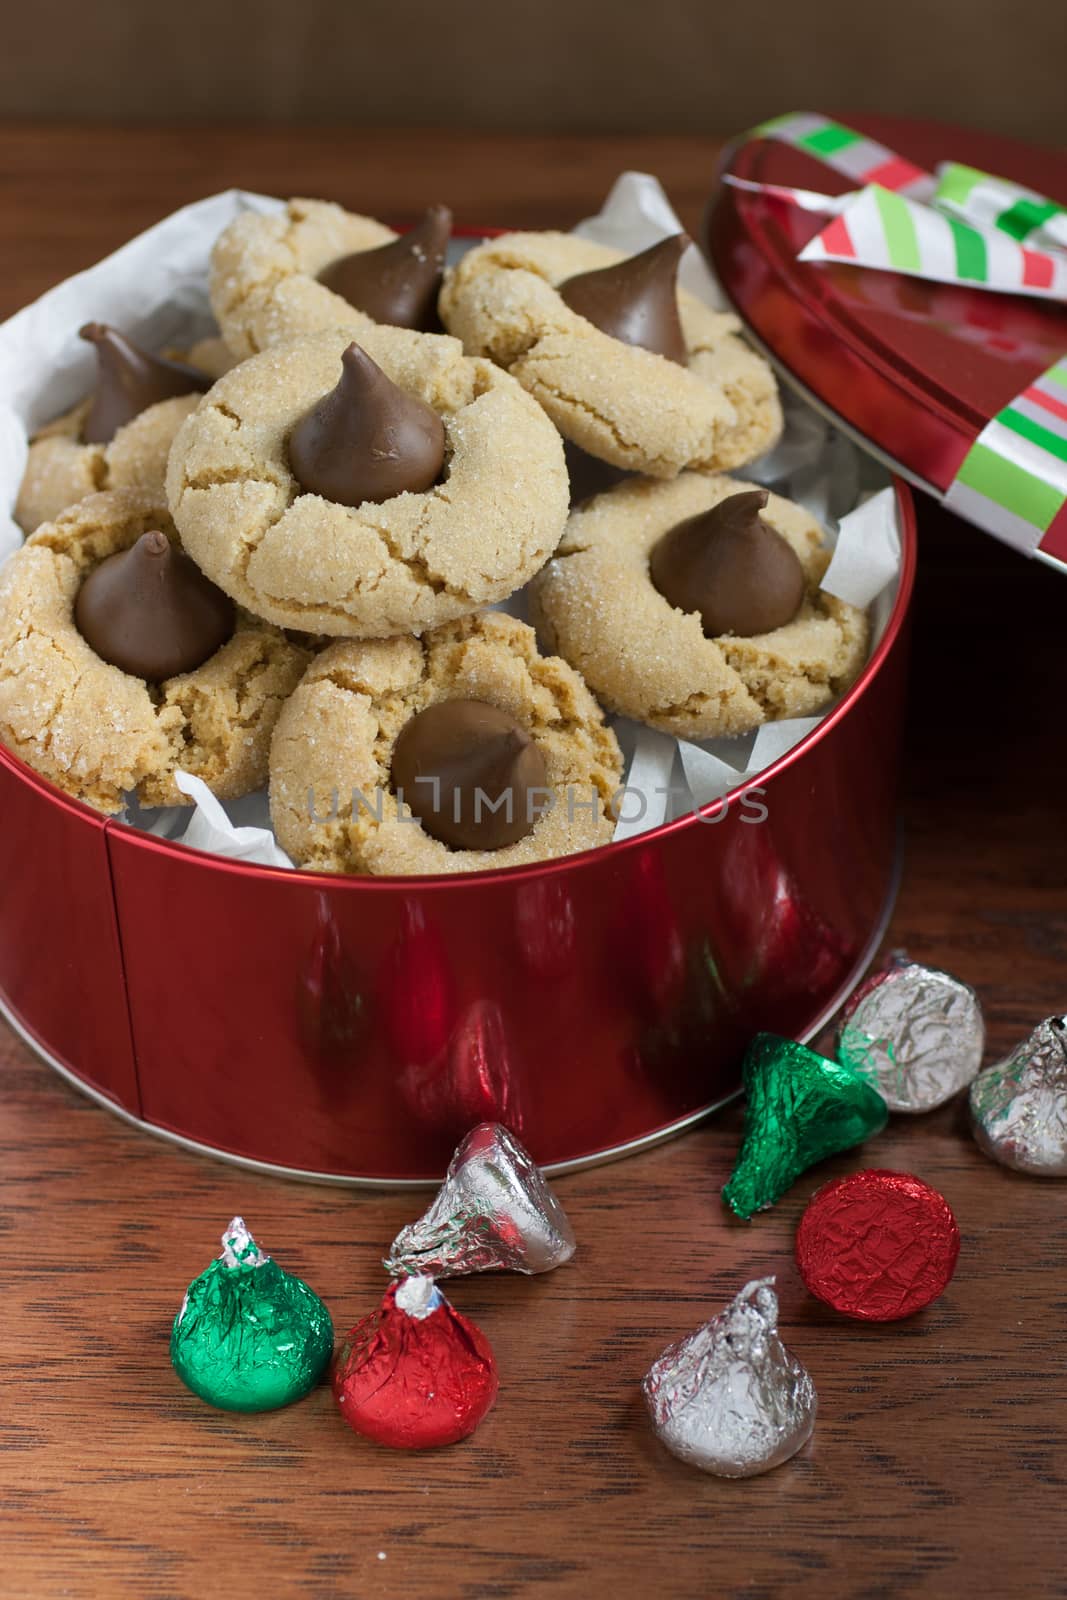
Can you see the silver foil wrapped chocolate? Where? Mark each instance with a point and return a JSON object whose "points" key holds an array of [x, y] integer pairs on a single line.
{"points": [[916, 1034], [1019, 1105], [730, 1398], [494, 1212]]}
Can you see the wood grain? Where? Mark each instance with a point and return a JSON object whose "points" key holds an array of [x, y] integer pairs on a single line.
{"points": [[938, 1460]]}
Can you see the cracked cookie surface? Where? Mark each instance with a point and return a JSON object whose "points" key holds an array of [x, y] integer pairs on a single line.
{"points": [[94, 730], [620, 403], [370, 571], [61, 470], [263, 280], [595, 605], [337, 733]]}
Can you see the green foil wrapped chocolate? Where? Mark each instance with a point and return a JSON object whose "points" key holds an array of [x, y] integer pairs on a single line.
{"points": [[800, 1109], [250, 1337]]}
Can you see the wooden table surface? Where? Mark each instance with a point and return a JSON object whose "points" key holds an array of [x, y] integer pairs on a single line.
{"points": [[938, 1460]]}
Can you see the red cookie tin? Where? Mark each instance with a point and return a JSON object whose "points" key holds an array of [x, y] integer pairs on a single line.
{"points": [[913, 370], [356, 1029], [353, 1030]]}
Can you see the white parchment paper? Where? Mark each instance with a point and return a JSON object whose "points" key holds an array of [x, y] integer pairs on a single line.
{"points": [[155, 289]]}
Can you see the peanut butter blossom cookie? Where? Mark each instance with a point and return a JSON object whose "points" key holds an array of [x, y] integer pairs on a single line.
{"points": [[368, 489], [119, 437], [695, 606], [120, 661], [316, 266], [463, 750], [632, 369]]}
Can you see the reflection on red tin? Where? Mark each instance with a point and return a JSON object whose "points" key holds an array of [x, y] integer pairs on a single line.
{"points": [[545, 926], [785, 941], [653, 950], [415, 989], [473, 1080], [331, 1009]]}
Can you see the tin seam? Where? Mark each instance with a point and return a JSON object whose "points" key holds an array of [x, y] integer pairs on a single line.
{"points": [[109, 826]]}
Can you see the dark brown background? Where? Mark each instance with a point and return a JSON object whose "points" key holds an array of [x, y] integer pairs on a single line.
{"points": [[697, 65]]}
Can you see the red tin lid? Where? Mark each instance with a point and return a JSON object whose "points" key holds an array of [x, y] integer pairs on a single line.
{"points": [[913, 369]]}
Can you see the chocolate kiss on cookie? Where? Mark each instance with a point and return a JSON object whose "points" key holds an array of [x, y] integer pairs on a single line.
{"points": [[129, 380], [636, 300], [732, 567], [457, 761], [397, 283], [151, 611], [367, 439]]}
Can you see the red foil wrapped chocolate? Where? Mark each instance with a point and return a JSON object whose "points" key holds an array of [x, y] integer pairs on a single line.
{"points": [[415, 1374], [877, 1245]]}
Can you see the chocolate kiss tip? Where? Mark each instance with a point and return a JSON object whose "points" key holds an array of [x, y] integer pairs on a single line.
{"points": [[435, 222], [150, 611], [129, 380], [396, 283], [731, 567], [635, 300], [367, 440], [355, 360], [672, 248]]}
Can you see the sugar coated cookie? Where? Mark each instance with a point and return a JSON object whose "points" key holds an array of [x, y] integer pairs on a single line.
{"points": [[712, 404], [288, 484], [96, 730], [120, 436], [470, 706], [598, 605], [316, 266]]}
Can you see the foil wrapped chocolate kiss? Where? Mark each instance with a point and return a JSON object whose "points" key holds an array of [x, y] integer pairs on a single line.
{"points": [[1019, 1105], [731, 567], [415, 1374], [915, 1033], [129, 380], [249, 1336], [635, 300], [799, 1109], [471, 774], [150, 611], [397, 283], [367, 440], [494, 1212], [731, 1399]]}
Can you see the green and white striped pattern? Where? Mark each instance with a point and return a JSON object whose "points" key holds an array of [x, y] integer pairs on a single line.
{"points": [[1013, 481], [1021, 213], [979, 231], [848, 152], [881, 229]]}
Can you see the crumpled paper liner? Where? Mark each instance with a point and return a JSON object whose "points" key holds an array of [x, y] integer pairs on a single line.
{"points": [[212, 829], [155, 288]]}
